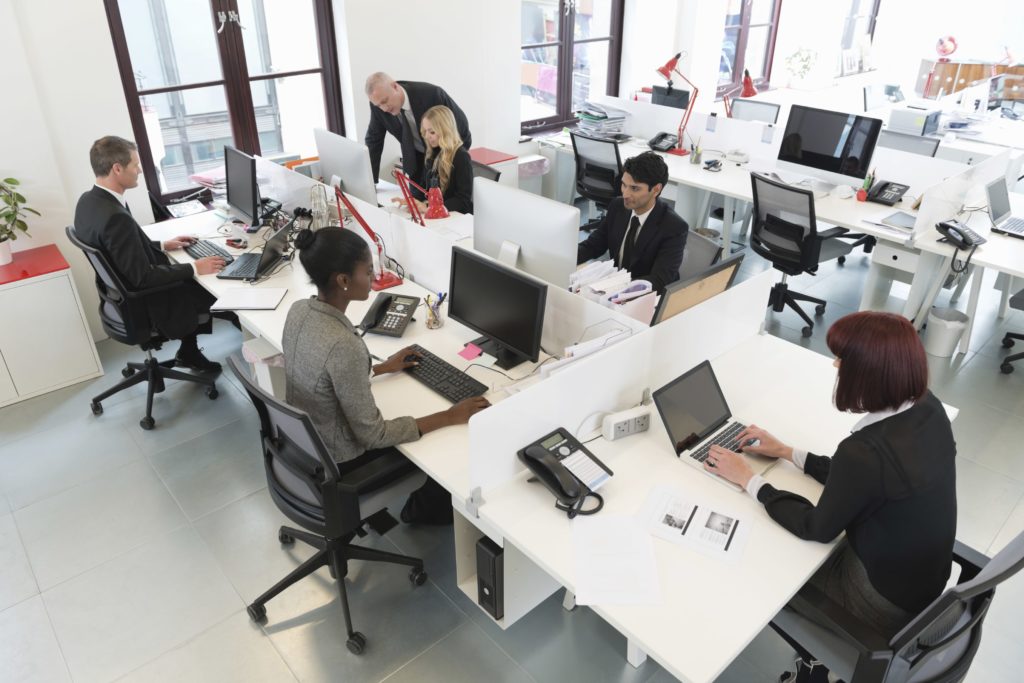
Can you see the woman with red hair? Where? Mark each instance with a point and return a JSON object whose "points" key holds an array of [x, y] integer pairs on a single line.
{"points": [[891, 485]]}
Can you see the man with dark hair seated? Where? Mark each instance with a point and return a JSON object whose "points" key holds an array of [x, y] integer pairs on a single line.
{"points": [[104, 221], [643, 235]]}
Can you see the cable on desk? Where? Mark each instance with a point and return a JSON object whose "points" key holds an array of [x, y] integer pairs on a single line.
{"points": [[965, 264]]}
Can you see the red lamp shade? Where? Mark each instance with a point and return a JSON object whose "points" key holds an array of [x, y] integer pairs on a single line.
{"points": [[748, 85], [670, 66]]}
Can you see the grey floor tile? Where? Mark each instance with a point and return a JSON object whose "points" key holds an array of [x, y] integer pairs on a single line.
{"points": [[66, 534], [992, 438], [214, 469], [979, 381], [234, 651], [985, 501], [126, 612], [28, 646], [464, 656], [1012, 528], [17, 581]]}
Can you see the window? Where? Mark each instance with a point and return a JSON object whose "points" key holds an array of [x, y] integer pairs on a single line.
{"points": [[748, 43], [196, 81], [570, 52], [858, 31]]}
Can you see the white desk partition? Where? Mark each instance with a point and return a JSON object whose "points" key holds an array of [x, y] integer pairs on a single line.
{"points": [[283, 184], [612, 380]]}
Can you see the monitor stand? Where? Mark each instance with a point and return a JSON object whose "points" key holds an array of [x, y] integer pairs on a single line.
{"points": [[507, 358], [508, 254]]}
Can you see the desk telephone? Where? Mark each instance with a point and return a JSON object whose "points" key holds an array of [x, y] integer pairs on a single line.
{"points": [[389, 314], [663, 142], [544, 458], [885, 192], [959, 235]]}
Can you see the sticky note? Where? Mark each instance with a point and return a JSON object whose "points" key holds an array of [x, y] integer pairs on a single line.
{"points": [[470, 351]]}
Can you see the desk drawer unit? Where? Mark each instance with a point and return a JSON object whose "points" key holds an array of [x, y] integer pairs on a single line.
{"points": [[895, 256]]}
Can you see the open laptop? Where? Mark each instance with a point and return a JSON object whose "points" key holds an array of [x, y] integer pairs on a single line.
{"points": [[999, 210], [696, 415], [251, 266]]}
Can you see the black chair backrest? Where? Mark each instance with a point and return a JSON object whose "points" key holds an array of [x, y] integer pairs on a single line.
{"points": [[302, 477], [598, 168], [784, 229], [485, 171]]}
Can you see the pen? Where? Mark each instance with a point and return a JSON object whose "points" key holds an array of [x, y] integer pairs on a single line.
{"points": [[442, 296]]}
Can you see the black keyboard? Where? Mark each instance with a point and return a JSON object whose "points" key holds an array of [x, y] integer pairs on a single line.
{"points": [[444, 378], [202, 248], [725, 438]]}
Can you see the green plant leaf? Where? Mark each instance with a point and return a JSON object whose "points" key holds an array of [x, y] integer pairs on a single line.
{"points": [[21, 225], [20, 197], [32, 210], [11, 181]]}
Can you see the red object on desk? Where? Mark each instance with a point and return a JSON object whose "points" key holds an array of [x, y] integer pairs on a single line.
{"points": [[488, 156], [862, 195], [32, 263]]}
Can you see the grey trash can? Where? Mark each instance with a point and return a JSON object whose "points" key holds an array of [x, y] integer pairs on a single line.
{"points": [[945, 327]]}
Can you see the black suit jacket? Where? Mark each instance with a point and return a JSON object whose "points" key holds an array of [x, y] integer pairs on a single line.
{"points": [[422, 96], [102, 222], [459, 195], [656, 254]]}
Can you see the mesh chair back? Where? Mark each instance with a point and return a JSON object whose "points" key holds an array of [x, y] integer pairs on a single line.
{"points": [[784, 229], [485, 171], [598, 168]]}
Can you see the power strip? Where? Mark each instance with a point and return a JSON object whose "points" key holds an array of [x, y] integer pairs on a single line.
{"points": [[626, 422]]}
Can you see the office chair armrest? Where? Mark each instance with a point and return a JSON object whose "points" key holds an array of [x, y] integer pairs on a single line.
{"points": [[816, 606], [832, 232], [970, 560]]}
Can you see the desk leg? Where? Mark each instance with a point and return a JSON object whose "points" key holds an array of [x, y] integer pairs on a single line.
{"points": [[634, 655], [977, 275], [871, 294], [703, 208], [928, 278], [748, 213], [728, 206], [569, 600]]}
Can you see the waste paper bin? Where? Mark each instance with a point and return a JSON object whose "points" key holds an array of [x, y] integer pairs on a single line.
{"points": [[945, 327]]}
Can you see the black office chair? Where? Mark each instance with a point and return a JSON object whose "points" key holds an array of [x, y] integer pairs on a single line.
{"points": [[322, 497], [598, 171], [124, 317], [785, 232], [485, 171], [938, 646], [1017, 302]]}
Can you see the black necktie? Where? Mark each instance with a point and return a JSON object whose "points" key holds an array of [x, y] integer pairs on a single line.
{"points": [[629, 240], [128, 208]]}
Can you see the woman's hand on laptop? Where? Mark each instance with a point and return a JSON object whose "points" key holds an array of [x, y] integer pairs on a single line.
{"points": [[764, 444], [728, 465]]}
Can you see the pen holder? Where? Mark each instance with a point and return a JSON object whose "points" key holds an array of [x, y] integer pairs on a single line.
{"points": [[435, 318], [695, 156]]}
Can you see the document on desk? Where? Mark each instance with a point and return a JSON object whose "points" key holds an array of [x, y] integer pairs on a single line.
{"points": [[249, 299], [614, 561], [897, 224], [709, 529]]}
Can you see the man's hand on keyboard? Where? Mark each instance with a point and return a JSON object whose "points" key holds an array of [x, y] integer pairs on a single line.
{"points": [[178, 242], [465, 409], [209, 265], [397, 362]]}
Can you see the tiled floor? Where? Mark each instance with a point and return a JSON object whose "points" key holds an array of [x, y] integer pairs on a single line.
{"points": [[130, 555]]}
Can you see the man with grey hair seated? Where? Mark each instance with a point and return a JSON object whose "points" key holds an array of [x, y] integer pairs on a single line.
{"points": [[397, 107]]}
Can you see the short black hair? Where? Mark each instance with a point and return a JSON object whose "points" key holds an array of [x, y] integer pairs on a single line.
{"points": [[647, 168], [110, 150], [328, 252]]}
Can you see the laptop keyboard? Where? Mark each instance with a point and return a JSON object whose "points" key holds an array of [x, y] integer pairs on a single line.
{"points": [[1013, 225], [244, 266], [202, 248], [444, 378], [725, 438]]}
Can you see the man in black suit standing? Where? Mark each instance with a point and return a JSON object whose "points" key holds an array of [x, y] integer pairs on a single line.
{"points": [[397, 107], [643, 235], [104, 221]]}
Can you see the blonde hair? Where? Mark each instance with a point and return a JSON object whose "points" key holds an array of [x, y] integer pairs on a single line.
{"points": [[443, 121]]}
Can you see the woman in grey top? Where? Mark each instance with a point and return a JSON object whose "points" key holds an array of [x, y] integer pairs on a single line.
{"points": [[327, 364]]}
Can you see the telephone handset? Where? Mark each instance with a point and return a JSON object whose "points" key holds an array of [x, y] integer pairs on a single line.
{"points": [[663, 142], [885, 192], [389, 314], [959, 235], [544, 457]]}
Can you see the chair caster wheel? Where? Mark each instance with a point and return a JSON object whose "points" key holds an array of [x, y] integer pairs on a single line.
{"points": [[806, 332], [418, 577], [842, 260], [819, 310], [1006, 368], [257, 613], [97, 409], [212, 393], [127, 372], [147, 423], [285, 538], [1007, 343], [356, 644]]}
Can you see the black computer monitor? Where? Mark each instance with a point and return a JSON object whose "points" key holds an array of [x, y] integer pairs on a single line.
{"points": [[833, 146], [684, 295], [670, 97], [501, 303], [243, 193]]}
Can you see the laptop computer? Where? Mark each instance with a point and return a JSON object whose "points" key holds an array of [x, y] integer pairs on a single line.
{"points": [[696, 415], [252, 266], [999, 210]]}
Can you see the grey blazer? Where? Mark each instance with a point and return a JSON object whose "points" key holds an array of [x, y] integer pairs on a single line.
{"points": [[327, 367]]}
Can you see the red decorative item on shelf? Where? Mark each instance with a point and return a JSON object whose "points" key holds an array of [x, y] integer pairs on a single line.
{"points": [[748, 85], [945, 46], [382, 279], [666, 72]]}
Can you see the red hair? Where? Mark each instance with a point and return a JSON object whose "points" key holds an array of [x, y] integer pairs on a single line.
{"points": [[882, 363]]}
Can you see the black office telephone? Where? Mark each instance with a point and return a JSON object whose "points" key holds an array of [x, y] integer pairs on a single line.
{"points": [[544, 458], [885, 192], [389, 314], [663, 142], [959, 235], [1009, 113]]}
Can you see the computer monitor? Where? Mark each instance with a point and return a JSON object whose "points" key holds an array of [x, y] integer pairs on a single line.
{"points": [[755, 110], [670, 97], [834, 148], [525, 231], [681, 296], [243, 192], [915, 144], [874, 97], [348, 161], [502, 304]]}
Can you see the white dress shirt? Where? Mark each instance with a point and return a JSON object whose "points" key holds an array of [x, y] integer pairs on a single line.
{"points": [[643, 218]]}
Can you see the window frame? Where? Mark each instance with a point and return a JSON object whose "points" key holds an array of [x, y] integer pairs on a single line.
{"points": [[761, 82], [235, 80], [566, 50], [848, 25]]}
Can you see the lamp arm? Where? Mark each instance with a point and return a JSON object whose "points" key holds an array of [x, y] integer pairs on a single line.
{"points": [[689, 107], [403, 183], [340, 196]]}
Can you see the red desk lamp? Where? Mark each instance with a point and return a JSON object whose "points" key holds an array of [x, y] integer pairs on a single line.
{"points": [[666, 72], [748, 85], [382, 279], [435, 200]]}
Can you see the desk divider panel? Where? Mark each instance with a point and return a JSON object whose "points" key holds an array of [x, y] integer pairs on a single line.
{"points": [[424, 252]]}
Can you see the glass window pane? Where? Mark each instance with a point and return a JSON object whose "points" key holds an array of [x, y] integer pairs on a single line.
{"points": [[279, 35], [539, 21], [589, 72], [734, 13], [761, 12], [757, 51], [182, 125], [170, 43], [727, 62], [538, 91], [593, 19], [287, 110]]}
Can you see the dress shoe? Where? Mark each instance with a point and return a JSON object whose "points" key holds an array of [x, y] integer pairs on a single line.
{"points": [[195, 360]]}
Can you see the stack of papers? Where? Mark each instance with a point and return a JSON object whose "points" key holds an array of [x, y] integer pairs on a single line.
{"points": [[249, 299], [600, 121]]}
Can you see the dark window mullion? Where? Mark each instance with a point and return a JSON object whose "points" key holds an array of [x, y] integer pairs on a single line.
{"points": [[565, 61], [179, 88], [236, 75], [285, 74], [330, 78]]}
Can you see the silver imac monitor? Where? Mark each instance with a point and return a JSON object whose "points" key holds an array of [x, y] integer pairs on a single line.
{"points": [[348, 161], [833, 148], [520, 229], [755, 110]]}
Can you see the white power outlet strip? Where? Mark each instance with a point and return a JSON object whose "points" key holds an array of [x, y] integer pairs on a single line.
{"points": [[626, 422]]}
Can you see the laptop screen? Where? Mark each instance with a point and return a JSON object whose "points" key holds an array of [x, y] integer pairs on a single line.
{"points": [[692, 407], [998, 200], [274, 249]]}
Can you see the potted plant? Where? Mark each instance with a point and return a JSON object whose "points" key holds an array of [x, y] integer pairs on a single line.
{"points": [[799, 65], [12, 216]]}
